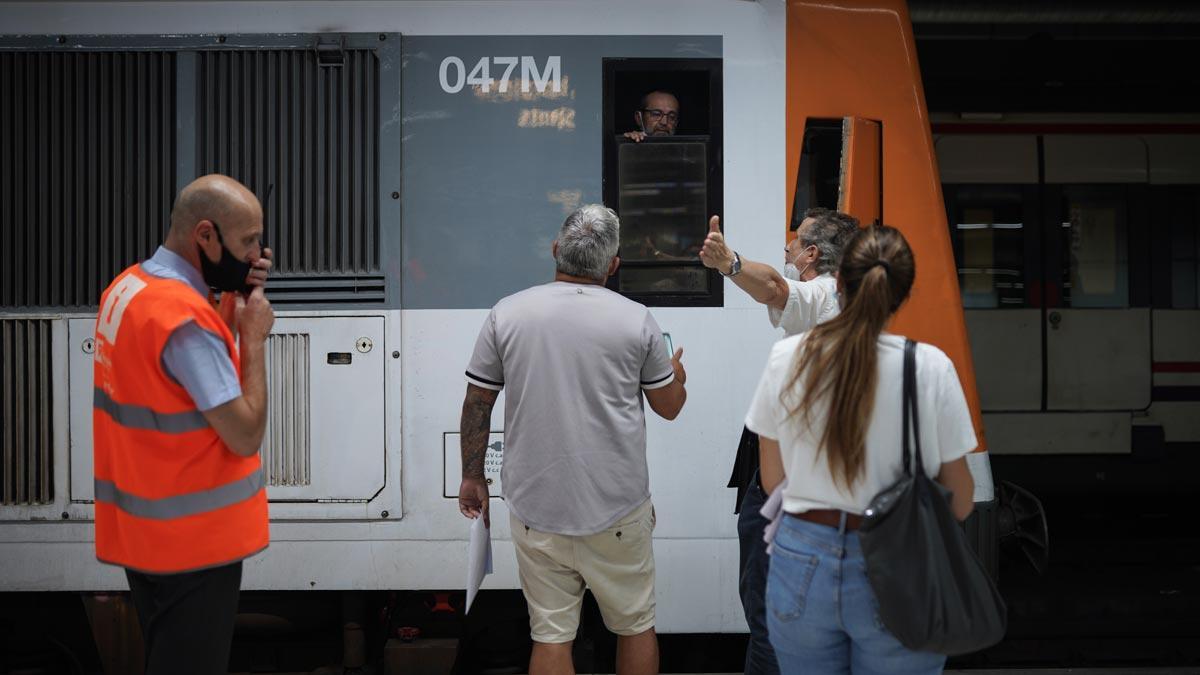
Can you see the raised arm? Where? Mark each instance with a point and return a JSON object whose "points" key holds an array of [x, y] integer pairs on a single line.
{"points": [[474, 427], [760, 281]]}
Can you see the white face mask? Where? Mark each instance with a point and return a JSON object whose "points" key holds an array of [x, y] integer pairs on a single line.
{"points": [[790, 271]]}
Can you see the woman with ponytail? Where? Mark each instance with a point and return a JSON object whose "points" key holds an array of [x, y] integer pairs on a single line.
{"points": [[828, 413]]}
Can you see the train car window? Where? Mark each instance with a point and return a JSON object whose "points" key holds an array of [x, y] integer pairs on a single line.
{"points": [[1094, 247], [663, 202], [819, 177], [989, 230], [665, 180]]}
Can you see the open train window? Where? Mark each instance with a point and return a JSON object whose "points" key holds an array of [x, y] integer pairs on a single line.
{"points": [[820, 173], [665, 184]]}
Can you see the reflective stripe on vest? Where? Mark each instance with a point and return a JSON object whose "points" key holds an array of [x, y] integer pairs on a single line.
{"points": [[141, 417], [178, 506]]}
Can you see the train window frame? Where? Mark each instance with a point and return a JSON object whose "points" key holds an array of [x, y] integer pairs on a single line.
{"points": [[1026, 198], [709, 71]]}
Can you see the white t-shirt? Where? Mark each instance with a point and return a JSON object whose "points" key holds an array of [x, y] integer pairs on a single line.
{"points": [[808, 304], [944, 422]]}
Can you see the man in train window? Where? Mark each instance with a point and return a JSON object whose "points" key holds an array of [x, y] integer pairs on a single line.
{"points": [[802, 297], [575, 360], [658, 115]]}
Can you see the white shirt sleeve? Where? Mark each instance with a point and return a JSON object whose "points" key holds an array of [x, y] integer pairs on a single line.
{"points": [[486, 368], [766, 414], [657, 371], [803, 309], [955, 429]]}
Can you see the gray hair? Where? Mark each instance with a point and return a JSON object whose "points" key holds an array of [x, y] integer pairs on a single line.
{"points": [[830, 232], [588, 242]]}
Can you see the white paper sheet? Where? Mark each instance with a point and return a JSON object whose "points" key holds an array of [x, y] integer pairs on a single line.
{"points": [[479, 559]]}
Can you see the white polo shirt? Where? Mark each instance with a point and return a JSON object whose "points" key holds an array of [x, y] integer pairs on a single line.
{"points": [[572, 360], [808, 303], [944, 422]]}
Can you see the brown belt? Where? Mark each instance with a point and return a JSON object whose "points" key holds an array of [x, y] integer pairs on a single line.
{"points": [[829, 517]]}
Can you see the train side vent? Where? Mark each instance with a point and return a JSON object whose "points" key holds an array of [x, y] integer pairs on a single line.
{"points": [[326, 290], [287, 444], [305, 138], [26, 422]]}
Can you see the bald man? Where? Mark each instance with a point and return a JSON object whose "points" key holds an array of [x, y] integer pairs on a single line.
{"points": [[180, 409], [657, 116]]}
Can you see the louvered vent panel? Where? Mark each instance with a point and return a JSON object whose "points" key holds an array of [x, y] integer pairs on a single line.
{"points": [[26, 424], [287, 446], [278, 118], [87, 170]]}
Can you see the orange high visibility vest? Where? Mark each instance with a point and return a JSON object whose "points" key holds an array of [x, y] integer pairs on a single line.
{"points": [[170, 495]]}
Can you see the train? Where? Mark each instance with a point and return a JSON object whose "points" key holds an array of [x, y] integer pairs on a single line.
{"points": [[414, 161]]}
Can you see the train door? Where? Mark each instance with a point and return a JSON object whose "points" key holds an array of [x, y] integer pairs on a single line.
{"points": [[1050, 237]]}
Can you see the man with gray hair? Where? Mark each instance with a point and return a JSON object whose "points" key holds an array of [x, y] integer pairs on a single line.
{"points": [[575, 359], [804, 296]]}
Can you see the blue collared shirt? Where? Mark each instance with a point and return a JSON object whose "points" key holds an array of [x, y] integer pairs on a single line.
{"points": [[196, 358]]}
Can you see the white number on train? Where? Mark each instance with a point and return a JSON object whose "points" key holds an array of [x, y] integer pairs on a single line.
{"points": [[453, 75]]}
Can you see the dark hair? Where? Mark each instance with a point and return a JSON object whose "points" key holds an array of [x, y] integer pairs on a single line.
{"points": [[837, 361], [829, 233]]}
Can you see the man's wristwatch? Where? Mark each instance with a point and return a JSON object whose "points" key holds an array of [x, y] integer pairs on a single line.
{"points": [[734, 269]]}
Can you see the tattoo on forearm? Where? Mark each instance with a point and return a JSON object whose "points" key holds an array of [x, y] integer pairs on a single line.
{"points": [[474, 428]]}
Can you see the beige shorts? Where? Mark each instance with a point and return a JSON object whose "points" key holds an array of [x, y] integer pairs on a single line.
{"points": [[617, 564]]}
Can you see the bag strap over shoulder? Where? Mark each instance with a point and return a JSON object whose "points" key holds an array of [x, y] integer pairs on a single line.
{"points": [[910, 407]]}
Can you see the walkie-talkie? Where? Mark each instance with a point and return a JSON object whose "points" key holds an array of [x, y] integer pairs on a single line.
{"points": [[262, 243]]}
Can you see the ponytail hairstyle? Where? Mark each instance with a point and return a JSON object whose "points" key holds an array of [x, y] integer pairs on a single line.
{"points": [[837, 360]]}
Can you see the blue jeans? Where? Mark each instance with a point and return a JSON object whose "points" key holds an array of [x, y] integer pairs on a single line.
{"points": [[821, 611], [752, 585]]}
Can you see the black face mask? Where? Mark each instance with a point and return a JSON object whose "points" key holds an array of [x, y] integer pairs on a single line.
{"points": [[227, 274]]}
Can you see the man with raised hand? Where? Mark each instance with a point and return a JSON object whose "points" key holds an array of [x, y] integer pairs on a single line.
{"points": [[802, 297]]}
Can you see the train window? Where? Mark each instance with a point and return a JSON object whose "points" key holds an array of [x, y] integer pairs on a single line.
{"points": [[1094, 247], [819, 177], [662, 174], [662, 199], [988, 229]]}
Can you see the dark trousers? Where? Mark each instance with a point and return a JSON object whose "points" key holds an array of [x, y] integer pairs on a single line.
{"points": [[187, 619], [752, 585]]}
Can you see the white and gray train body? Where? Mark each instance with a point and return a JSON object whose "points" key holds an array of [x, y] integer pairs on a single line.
{"points": [[416, 160], [448, 198]]}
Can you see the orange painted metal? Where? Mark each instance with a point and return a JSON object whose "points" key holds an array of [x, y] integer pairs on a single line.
{"points": [[861, 175], [858, 58]]}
